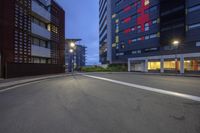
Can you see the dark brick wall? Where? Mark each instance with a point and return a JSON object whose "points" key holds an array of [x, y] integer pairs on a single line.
{"points": [[18, 70], [16, 64], [58, 40]]}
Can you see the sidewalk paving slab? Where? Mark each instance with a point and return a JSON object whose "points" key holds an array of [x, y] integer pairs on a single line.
{"points": [[5, 83]]}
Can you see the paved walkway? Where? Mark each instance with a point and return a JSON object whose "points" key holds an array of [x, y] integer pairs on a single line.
{"points": [[4, 83]]}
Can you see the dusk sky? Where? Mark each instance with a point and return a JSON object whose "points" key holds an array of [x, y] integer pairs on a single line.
{"points": [[82, 22]]}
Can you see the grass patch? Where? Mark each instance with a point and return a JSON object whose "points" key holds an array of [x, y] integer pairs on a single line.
{"points": [[110, 68]]}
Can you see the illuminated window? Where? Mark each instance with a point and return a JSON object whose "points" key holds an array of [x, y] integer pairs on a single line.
{"points": [[192, 65], [172, 65], [117, 39], [146, 26], [194, 26], [114, 15], [54, 29], [133, 29], [139, 28], [49, 27], [154, 65]]}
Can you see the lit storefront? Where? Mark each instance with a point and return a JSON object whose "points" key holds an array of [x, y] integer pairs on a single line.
{"points": [[192, 65], [171, 65], [154, 66], [181, 63]]}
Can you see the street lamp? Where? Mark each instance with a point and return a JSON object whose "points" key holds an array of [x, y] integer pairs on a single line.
{"points": [[176, 44], [72, 50], [72, 44]]}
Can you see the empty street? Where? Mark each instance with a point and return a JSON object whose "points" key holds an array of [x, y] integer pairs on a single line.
{"points": [[103, 103]]}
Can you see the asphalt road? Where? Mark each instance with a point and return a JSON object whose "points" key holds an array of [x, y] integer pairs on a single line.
{"points": [[79, 104]]}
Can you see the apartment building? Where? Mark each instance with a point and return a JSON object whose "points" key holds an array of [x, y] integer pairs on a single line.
{"points": [[33, 37], [105, 31], [75, 55], [156, 35]]}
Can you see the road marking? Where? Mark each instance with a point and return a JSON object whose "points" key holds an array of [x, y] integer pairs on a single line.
{"points": [[171, 93]]}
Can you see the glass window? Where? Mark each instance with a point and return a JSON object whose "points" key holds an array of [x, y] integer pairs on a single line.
{"points": [[172, 65], [194, 8], [36, 60], [154, 65], [139, 39], [139, 28], [192, 65], [146, 26], [42, 43], [36, 41], [153, 9], [42, 60], [194, 26], [153, 36], [134, 40], [146, 37], [154, 21], [36, 21], [42, 24]]}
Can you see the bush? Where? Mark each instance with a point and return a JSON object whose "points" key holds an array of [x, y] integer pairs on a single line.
{"points": [[93, 69], [110, 68]]}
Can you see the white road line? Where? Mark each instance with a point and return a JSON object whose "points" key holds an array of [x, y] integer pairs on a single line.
{"points": [[171, 93]]}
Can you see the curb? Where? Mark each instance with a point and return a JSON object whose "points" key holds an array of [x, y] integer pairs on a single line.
{"points": [[171, 74], [150, 73], [25, 81]]}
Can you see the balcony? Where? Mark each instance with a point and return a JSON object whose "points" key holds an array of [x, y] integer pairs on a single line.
{"points": [[40, 31], [40, 51], [40, 12]]}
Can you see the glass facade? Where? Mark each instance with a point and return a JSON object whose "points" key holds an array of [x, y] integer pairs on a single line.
{"points": [[171, 65], [192, 65], [155, 65]]}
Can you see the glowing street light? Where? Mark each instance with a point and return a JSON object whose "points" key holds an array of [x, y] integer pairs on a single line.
{"points": [[176, 43], [72, 44], [71, 50]]}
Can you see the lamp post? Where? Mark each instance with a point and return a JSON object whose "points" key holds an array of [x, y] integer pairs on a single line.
{"points": [[176, 44], [71, 51]]}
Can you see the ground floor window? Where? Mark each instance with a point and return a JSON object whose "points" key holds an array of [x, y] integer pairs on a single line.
{"points": [[39, 60], [171, 65], [192, 65], [155, 65], [137, 66]]}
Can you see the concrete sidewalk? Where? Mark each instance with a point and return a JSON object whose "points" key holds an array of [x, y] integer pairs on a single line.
{"points": [[5, 83], [151, 73], [169, 74]]}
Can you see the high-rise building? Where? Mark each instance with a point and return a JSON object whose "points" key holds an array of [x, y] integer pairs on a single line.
{"points": [[105, 34], [32, 37], [156, 35], [80, 57]]}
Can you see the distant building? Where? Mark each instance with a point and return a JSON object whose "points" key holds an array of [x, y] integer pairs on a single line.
{"points": [[80, 56], [32, 37], [75, 55], [154, 35], [105, 34]]}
